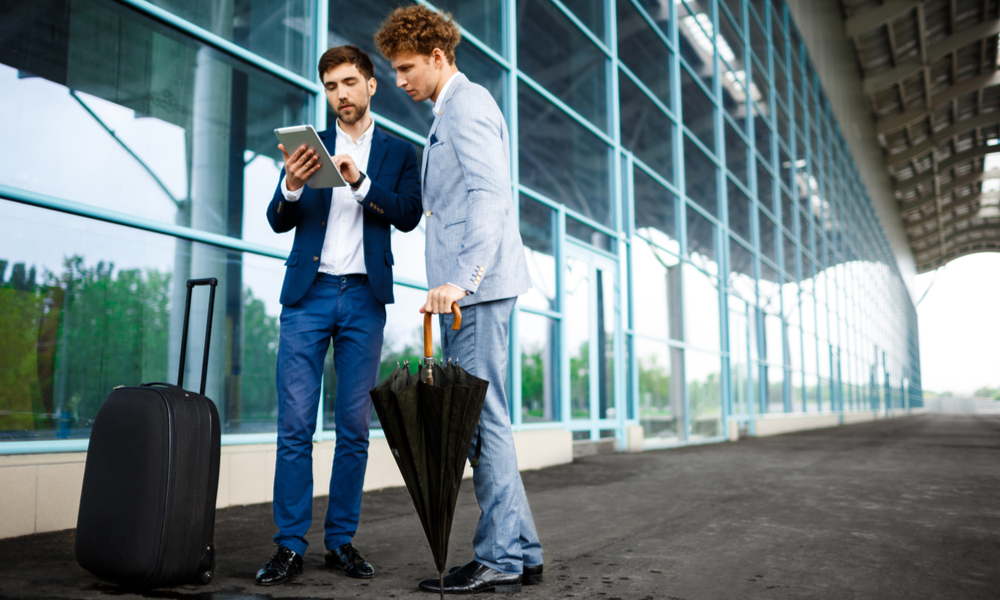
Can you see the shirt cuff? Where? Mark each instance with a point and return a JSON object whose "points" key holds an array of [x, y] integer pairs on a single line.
{"points": [[290, 195], [460, 287], [362, 191]]}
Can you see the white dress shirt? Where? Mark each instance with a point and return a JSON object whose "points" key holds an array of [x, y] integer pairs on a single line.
{"points": [[343, 248], [438, 107], [439, 103]]}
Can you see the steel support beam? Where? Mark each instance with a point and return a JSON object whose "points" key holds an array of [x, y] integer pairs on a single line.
{"points": [[961, 157], [946, 46], [952, 186], [871, 19], [900, 120], [946, 208], [940, 137]]}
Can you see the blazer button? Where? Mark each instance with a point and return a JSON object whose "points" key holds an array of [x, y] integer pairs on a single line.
{"points": [[315, 259], [323, 224], [427, 214]]}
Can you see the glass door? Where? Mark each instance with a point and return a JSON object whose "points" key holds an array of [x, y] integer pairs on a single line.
{"points": [[590, 301]]}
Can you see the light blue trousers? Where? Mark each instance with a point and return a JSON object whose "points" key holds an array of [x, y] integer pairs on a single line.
{"points": [[505, 538]]}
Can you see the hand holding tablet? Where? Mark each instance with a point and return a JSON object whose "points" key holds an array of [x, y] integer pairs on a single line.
{"points": [[306, 159]]}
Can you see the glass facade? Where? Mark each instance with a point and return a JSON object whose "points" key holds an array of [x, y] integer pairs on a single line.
{"points": [[700, 243]]}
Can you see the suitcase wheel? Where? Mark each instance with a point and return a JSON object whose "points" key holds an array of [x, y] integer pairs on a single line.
{"points": [[208, 566]]}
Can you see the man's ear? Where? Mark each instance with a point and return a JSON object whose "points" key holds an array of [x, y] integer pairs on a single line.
{"points": [[372, 84]]}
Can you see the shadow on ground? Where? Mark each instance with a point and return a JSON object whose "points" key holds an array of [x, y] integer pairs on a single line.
{"points": [[904, 508]]}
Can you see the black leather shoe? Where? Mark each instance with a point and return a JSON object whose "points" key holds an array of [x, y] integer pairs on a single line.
{"points": [[473, 578], [529, 575], [349, 560], [284, 565]]}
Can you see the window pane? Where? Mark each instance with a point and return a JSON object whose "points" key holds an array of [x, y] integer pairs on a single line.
{"points": [[659, 11], [790, 252], [538, 233], [778, 39], [788, 212], [767, 236], [695, 39], [481, 18], [643, 52], [736, 10], [774, 384], [739, 211], [646, 130], [704, 382], [590, 12], [655, 209], [661, 395], [762, 136], [557, 55], [780, 84], [578, 309], [700, 177], [758, 41], [482, 69], [699, 112], [586, 233], [539, 339], [101, 305], [273, 29], [765, 186], [736, 154], [186, 139], [701, 240], [742, 281], [359, 29], [656, 297], [701, 309], [562, 159]]}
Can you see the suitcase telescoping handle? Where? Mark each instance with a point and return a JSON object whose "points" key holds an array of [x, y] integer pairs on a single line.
{"points": [[212, 282]]}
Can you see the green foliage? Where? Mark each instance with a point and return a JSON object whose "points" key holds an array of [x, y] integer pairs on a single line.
{"points": [[66, 343], [260, 361], [988, 392]]}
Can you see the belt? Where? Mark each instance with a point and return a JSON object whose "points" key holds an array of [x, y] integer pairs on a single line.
{"points": [[350, 278]]}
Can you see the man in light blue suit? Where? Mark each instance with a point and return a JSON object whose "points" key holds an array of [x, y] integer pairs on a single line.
{"points": [[474, 257]]}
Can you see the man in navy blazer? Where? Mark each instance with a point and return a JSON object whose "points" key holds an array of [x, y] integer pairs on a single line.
{"points": [[337, 282]]}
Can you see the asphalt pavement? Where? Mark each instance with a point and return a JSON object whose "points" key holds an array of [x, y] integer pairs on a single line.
{"points": [[901, 508]]}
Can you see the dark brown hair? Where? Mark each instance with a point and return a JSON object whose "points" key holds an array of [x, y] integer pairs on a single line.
{"points": [[334, 57], [418, 30]]}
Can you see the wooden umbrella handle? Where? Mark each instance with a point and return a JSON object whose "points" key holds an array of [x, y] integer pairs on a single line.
{"points": [[429, 334]]}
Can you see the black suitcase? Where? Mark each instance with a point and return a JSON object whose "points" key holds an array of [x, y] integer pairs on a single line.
{"points": [[147, 510]]}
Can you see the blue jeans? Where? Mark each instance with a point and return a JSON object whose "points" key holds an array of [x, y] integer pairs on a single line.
{"points": [[505, 538], [341, 308]]}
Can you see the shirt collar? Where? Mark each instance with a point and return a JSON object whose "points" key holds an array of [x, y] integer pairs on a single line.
{"points": [[365, 137], [439, 105]]}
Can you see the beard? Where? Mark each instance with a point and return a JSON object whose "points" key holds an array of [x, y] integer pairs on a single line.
{"points": [[360, 110]]}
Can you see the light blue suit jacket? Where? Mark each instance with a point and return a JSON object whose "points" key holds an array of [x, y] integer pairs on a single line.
{"points": [[473, 239]]}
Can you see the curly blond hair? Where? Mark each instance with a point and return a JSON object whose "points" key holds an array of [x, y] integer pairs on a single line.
{"points": [[417, 30]]}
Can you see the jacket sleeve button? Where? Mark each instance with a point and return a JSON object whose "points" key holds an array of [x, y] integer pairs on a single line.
{"points": [[315, 259]]}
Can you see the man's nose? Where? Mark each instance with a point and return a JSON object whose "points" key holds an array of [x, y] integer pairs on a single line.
{"points": [[400, 80]]}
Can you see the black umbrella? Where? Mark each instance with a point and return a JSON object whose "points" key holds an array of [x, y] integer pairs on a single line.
{"points": [[429, 421]]}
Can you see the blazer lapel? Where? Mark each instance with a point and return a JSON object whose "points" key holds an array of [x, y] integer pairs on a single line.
{"points": [[376, 154], [460, 79], [329, 138], [423, 166]]}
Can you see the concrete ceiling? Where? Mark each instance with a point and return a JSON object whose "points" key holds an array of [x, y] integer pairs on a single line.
{"points": [[929, 73]]}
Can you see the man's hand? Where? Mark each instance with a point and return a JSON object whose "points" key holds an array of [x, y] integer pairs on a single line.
{"points": [[348, 170], [299, 167], [439, 299]]}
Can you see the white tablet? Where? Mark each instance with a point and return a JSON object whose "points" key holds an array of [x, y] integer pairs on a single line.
{"points": [[328, 176]]}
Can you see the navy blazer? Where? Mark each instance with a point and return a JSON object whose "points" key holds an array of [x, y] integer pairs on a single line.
{"points": [[393, 199]]}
